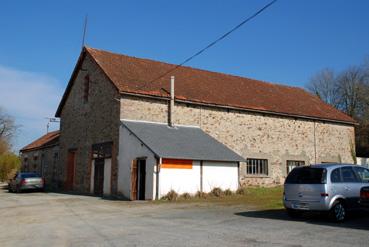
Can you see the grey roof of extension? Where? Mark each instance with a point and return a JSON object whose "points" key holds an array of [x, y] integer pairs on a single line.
{"points": [[180, 142]]}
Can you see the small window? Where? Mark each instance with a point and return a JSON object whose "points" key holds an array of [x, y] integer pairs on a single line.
{"points": [[86, 88], [348, 175], [294, 163], [336, 176], [363, 174], [257, 167], [35, 157]]}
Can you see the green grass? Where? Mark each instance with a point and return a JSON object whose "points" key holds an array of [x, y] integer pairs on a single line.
{"points": [[256, 197]]}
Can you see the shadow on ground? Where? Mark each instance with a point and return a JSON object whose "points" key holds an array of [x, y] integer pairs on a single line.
{"points": [[355, 220], [4, 187]]}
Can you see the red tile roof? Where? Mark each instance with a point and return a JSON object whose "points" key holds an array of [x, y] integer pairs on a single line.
{"points": [[132, 75], [45, 140]]}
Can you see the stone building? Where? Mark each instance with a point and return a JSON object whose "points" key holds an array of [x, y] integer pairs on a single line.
{"points": [[273, 127], [42, 156]]}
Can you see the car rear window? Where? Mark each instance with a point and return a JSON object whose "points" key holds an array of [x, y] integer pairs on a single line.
{"points": [[29, 175], [307, 175]]}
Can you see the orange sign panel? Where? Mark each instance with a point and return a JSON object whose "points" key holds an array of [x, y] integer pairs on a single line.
{"points": [[176, 164]]}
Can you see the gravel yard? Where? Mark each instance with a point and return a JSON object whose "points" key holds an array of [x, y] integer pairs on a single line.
{"points": [[51, 219]]}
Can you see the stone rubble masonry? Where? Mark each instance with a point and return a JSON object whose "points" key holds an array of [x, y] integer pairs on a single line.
{"points": [[86, 123], [254, 135]]}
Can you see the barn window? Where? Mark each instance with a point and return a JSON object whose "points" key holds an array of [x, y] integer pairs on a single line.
{"points": [[257, 166], [294, 163], [86, 88]]}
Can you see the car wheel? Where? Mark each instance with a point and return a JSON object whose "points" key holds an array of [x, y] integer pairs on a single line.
{"points": [[338, 212], [293, 213]]}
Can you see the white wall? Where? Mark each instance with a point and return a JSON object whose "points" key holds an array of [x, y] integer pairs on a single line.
{"points": [[131, 148], [215, 174], [180, 180], [220, 174], [107, 177], [362, 161]]}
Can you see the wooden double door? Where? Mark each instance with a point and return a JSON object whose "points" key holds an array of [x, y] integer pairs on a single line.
{"points": [[71, 164], [99, 177]]}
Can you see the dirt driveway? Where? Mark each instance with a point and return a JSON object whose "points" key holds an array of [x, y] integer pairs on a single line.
{"points": [[50, 219]]}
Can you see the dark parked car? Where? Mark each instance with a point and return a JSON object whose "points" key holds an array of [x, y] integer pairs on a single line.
{"points": [[364, 197], [26, 181]]}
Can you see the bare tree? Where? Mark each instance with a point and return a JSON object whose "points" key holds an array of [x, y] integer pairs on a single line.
{"points": [[351, 91], [324, 85], [7, 130], [348, 92]]}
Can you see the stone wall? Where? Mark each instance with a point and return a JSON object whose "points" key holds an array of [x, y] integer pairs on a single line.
{"points": [[254, 135], [84, 123], [44, 162]]}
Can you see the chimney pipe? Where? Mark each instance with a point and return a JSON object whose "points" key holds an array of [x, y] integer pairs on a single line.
{"points": [[171, 106]]}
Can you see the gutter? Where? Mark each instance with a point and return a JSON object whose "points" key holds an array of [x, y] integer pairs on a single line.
{"points": [[158, 164]]}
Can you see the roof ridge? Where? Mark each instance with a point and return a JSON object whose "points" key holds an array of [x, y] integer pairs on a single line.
{"points": [[199, 69]]}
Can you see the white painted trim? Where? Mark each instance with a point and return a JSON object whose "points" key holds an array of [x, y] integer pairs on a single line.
{"points": [[107, 177], [92, 177]]}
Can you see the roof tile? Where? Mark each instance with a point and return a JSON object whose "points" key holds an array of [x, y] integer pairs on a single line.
{"points": [[42, 141], [132, 75]]}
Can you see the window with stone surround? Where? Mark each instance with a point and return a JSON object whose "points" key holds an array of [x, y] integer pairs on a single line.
{"points": [[294, 163], [257, 167], [86, 88]]}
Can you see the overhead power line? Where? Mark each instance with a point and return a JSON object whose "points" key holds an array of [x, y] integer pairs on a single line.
{"points": [[214, 42]]}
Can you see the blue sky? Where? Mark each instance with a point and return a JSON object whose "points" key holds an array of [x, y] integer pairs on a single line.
{"points": [[41, 40]]}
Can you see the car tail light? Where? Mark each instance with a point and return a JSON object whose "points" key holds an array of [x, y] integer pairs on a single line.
{"points": [[364, 194], [23, 182], [43, 181], [324, 194]]}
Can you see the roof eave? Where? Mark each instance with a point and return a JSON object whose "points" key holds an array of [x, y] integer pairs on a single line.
{"points": [[38, 148], [239, 108], [204, 159]]}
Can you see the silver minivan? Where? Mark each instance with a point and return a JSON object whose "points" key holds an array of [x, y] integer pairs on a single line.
{"points": [[333, 188]]}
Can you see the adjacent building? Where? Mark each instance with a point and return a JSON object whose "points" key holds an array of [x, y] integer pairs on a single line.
{"points": [[42, 156], [120, 112], [156, 158]]}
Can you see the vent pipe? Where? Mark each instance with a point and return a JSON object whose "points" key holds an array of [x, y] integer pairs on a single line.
{"points": [[171, 105]]}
